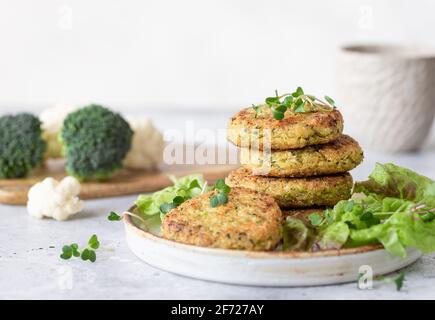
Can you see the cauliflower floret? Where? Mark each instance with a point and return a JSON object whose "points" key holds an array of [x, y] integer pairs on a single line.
{"points": [[147, 145], [54, 199], [52, 121]]}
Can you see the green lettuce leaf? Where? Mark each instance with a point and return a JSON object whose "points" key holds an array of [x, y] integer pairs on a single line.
{"points": [[395, 207], [389, 180], [297, 235], [187, 187], [335, 236], [401, 230]]}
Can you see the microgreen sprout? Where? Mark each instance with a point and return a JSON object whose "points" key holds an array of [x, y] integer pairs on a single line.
{"points": [[221, 197], [298, 102], [72, 250], [256, 109], [113, 216], [168, 206], [398, 280]]}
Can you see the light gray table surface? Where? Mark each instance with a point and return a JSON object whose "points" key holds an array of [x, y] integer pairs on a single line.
{"points": [[30, 267]]}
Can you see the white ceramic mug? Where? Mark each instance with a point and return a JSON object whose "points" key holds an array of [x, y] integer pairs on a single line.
{"points": [[387, 95]]}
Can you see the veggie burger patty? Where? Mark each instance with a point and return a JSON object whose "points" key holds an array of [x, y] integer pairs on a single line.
{"points": [[249, 221], [296, 130], [296, 192], [338, 156]]}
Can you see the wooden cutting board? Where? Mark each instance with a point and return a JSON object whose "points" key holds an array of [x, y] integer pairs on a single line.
{"points": [[14, 191]]}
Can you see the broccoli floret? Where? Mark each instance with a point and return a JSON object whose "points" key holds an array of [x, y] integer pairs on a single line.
{"points": [[21, 145], [95, 140]]}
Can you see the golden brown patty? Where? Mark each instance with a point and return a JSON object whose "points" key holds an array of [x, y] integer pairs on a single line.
{"points": [[340, 155], [296, 192], [249, 221], [296, 130]]}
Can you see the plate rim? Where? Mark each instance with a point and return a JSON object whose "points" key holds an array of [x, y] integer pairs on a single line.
{"points": [[332, 253]]}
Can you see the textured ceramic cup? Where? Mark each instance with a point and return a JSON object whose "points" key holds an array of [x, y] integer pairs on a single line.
{"points": [[387, 95]]}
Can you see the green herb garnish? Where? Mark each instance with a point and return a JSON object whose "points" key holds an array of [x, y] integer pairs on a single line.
{"points": [[72, 250], [93, 242], [330, 101], [221, 198], [113, 216], [163, 201], [88, 254], [166, 207], [69, 251], [398, 280], [297, 102], [256, 109]]}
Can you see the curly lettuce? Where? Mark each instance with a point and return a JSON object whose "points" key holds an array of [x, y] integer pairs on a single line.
{"points": [[394, 207], [389, 180], [297, 235], [158, 203]]}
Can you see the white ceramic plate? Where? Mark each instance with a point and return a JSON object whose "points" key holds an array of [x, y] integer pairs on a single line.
{"points": [[283, 269]]}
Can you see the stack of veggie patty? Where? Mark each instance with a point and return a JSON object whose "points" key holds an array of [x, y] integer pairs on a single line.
{"points": [[301, 160]]}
